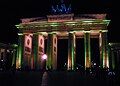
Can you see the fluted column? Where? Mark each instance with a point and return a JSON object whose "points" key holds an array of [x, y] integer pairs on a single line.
{"points": [[40, 60], [113, 60], [35, 50], [38, 50], [87, 49], [104, 60], [52, 51], [71, 51], [14, 57], [27, 51], [20, 50], [49, 51]]}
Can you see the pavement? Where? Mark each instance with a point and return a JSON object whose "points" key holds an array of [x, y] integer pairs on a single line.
{"points": [[55, 78]]}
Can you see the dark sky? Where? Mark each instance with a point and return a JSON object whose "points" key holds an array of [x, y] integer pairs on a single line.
{"points": [[12, 10]]}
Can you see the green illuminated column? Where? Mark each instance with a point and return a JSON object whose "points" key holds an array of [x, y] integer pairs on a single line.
{"points": [[14, 57], [104, 60], [35, 49], [49, 51], [87, 49], [19, 59], [71, 51], [52, 51], [111, 57], [113, 60]]}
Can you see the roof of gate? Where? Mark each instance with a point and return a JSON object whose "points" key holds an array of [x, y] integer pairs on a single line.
{"points": [[62, 18], [63, 21]]}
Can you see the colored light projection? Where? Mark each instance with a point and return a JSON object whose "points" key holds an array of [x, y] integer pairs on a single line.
{"points": [[61, 8], [33, 34]]}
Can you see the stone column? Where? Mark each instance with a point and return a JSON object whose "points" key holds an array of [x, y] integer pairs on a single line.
{"points": [[113, 59], [49, 51], [104, 60], [71, 51], [40, 60], [20, 50], [87, 49], [27, 51], [35, 50], [14, 57], [52, 51]]}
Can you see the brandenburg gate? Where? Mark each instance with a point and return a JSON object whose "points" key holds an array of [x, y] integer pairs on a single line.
{"points": [[34, 31]]}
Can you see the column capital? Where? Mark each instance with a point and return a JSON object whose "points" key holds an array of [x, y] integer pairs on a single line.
{"points": [[86, 31], [103, 30], [20, 34], [72, 31], [42, 33]]}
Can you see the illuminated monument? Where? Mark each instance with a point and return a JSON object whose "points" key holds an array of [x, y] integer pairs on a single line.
{"points": [[34, 31]]}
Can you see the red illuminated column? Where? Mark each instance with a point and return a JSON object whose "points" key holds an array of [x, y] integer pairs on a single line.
{"points": [[40, 51], [27, 51], [54, 52]]}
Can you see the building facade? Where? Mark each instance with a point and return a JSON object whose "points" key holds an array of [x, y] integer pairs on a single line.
{"points": [[114, 55], [34, 31], [7, 56]]}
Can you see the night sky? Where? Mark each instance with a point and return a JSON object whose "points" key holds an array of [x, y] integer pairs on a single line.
{"points": [[11, 11]]}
